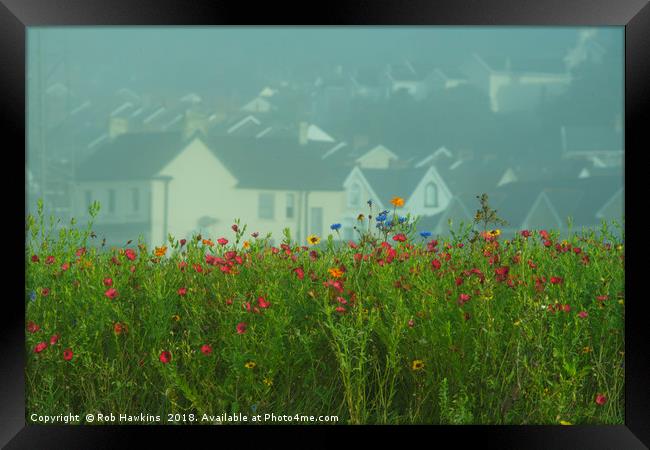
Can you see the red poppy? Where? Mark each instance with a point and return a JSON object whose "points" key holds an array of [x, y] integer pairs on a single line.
{"points": [[463, 298], [40, 347], [583, 314], [165, 357], [222, 241], [67, 354], [108, 282], [340, 309], [45, 292], [111, 293], [566, 308], [341, 300], [35, 259], [129, 254], [525, 233], [300, 273], [544, 234], [206, 349], [182, 291], [547, 243], [183, 241], [54, 339], [436, 264], [65, 266], [241, 328], [80, 251], [601, 399], [49, 260], [262, 303], [556, 280], [399, 237], [577, 250], [229, 301], [459, 281], [118, 328], [32, 327]]}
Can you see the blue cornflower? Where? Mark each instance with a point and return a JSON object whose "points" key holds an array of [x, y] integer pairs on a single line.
{"points": [[381, 217], [370, 203], [402, 219], [335, 226], [32, 295], [425, 234], [389, 224]]}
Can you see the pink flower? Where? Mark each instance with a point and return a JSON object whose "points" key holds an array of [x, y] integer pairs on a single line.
{"points": [[40, 347], [436, 264], [463, 298], [130, 254], [222, 241], [111, 293], [182, 291], [601, 399], [262, 303], [411, 323], [583, 314], [54, 339], [67, 354], [206, 349], [340, 309], [300, 273], [108, 282], [165, 357], [399, 237], [241, 328]]}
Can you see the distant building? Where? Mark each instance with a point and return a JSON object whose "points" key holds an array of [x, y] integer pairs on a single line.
{"points": [[514, 84]]}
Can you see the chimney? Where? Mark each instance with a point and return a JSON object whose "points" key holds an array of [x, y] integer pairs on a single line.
{"points": [[117, 126], [303, 128]]}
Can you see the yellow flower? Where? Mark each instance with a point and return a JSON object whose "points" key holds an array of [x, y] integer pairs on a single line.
{"points": [[586, 349], [246, 244], [176, 317], [517, 323], [564, 422], [313, 239], [360, 217], [268, 381], [335, 272], [250, 365], [417, 364], [160, 251], [397, 201], [496, 232]]}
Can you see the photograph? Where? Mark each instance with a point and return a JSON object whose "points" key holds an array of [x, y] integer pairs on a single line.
{"points": [[301, 225]]}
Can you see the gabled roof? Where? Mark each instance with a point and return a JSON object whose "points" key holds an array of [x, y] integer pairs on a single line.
{"points": [[131, 156], [277, 164]]}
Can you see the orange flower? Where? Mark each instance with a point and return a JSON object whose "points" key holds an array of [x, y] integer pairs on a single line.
{"points": [[397, 201], [208, 242], [160, 251], [335, 272]]}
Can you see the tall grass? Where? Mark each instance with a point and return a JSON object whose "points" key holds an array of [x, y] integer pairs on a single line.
{"points": [[390, 341]]}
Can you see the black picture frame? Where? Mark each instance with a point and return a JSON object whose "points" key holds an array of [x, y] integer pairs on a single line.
{"points": [[634, 15]]}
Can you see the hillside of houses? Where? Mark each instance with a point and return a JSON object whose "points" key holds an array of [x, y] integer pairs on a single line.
{"points": [[309, 151]]}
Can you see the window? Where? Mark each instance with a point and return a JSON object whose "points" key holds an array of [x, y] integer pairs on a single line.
{"points": [[266, 206], [354, 195], [111, 201], [135, 199], [291, 205], [431, 195]]}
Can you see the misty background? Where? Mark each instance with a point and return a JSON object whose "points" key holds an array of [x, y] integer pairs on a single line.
{"points": [[181, 130]]}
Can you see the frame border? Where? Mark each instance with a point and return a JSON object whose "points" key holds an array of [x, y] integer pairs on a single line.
{"points": [[634, 15]]}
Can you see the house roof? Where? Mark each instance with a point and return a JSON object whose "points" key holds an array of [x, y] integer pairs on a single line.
{"points": [[591, 139], [277, 163], [131, 156]]}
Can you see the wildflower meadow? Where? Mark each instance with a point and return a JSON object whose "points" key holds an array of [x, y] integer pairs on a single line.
{"points": [[397, 326]]}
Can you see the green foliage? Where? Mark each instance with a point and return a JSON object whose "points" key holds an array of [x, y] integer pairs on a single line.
{"points": [[510, 354]]}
